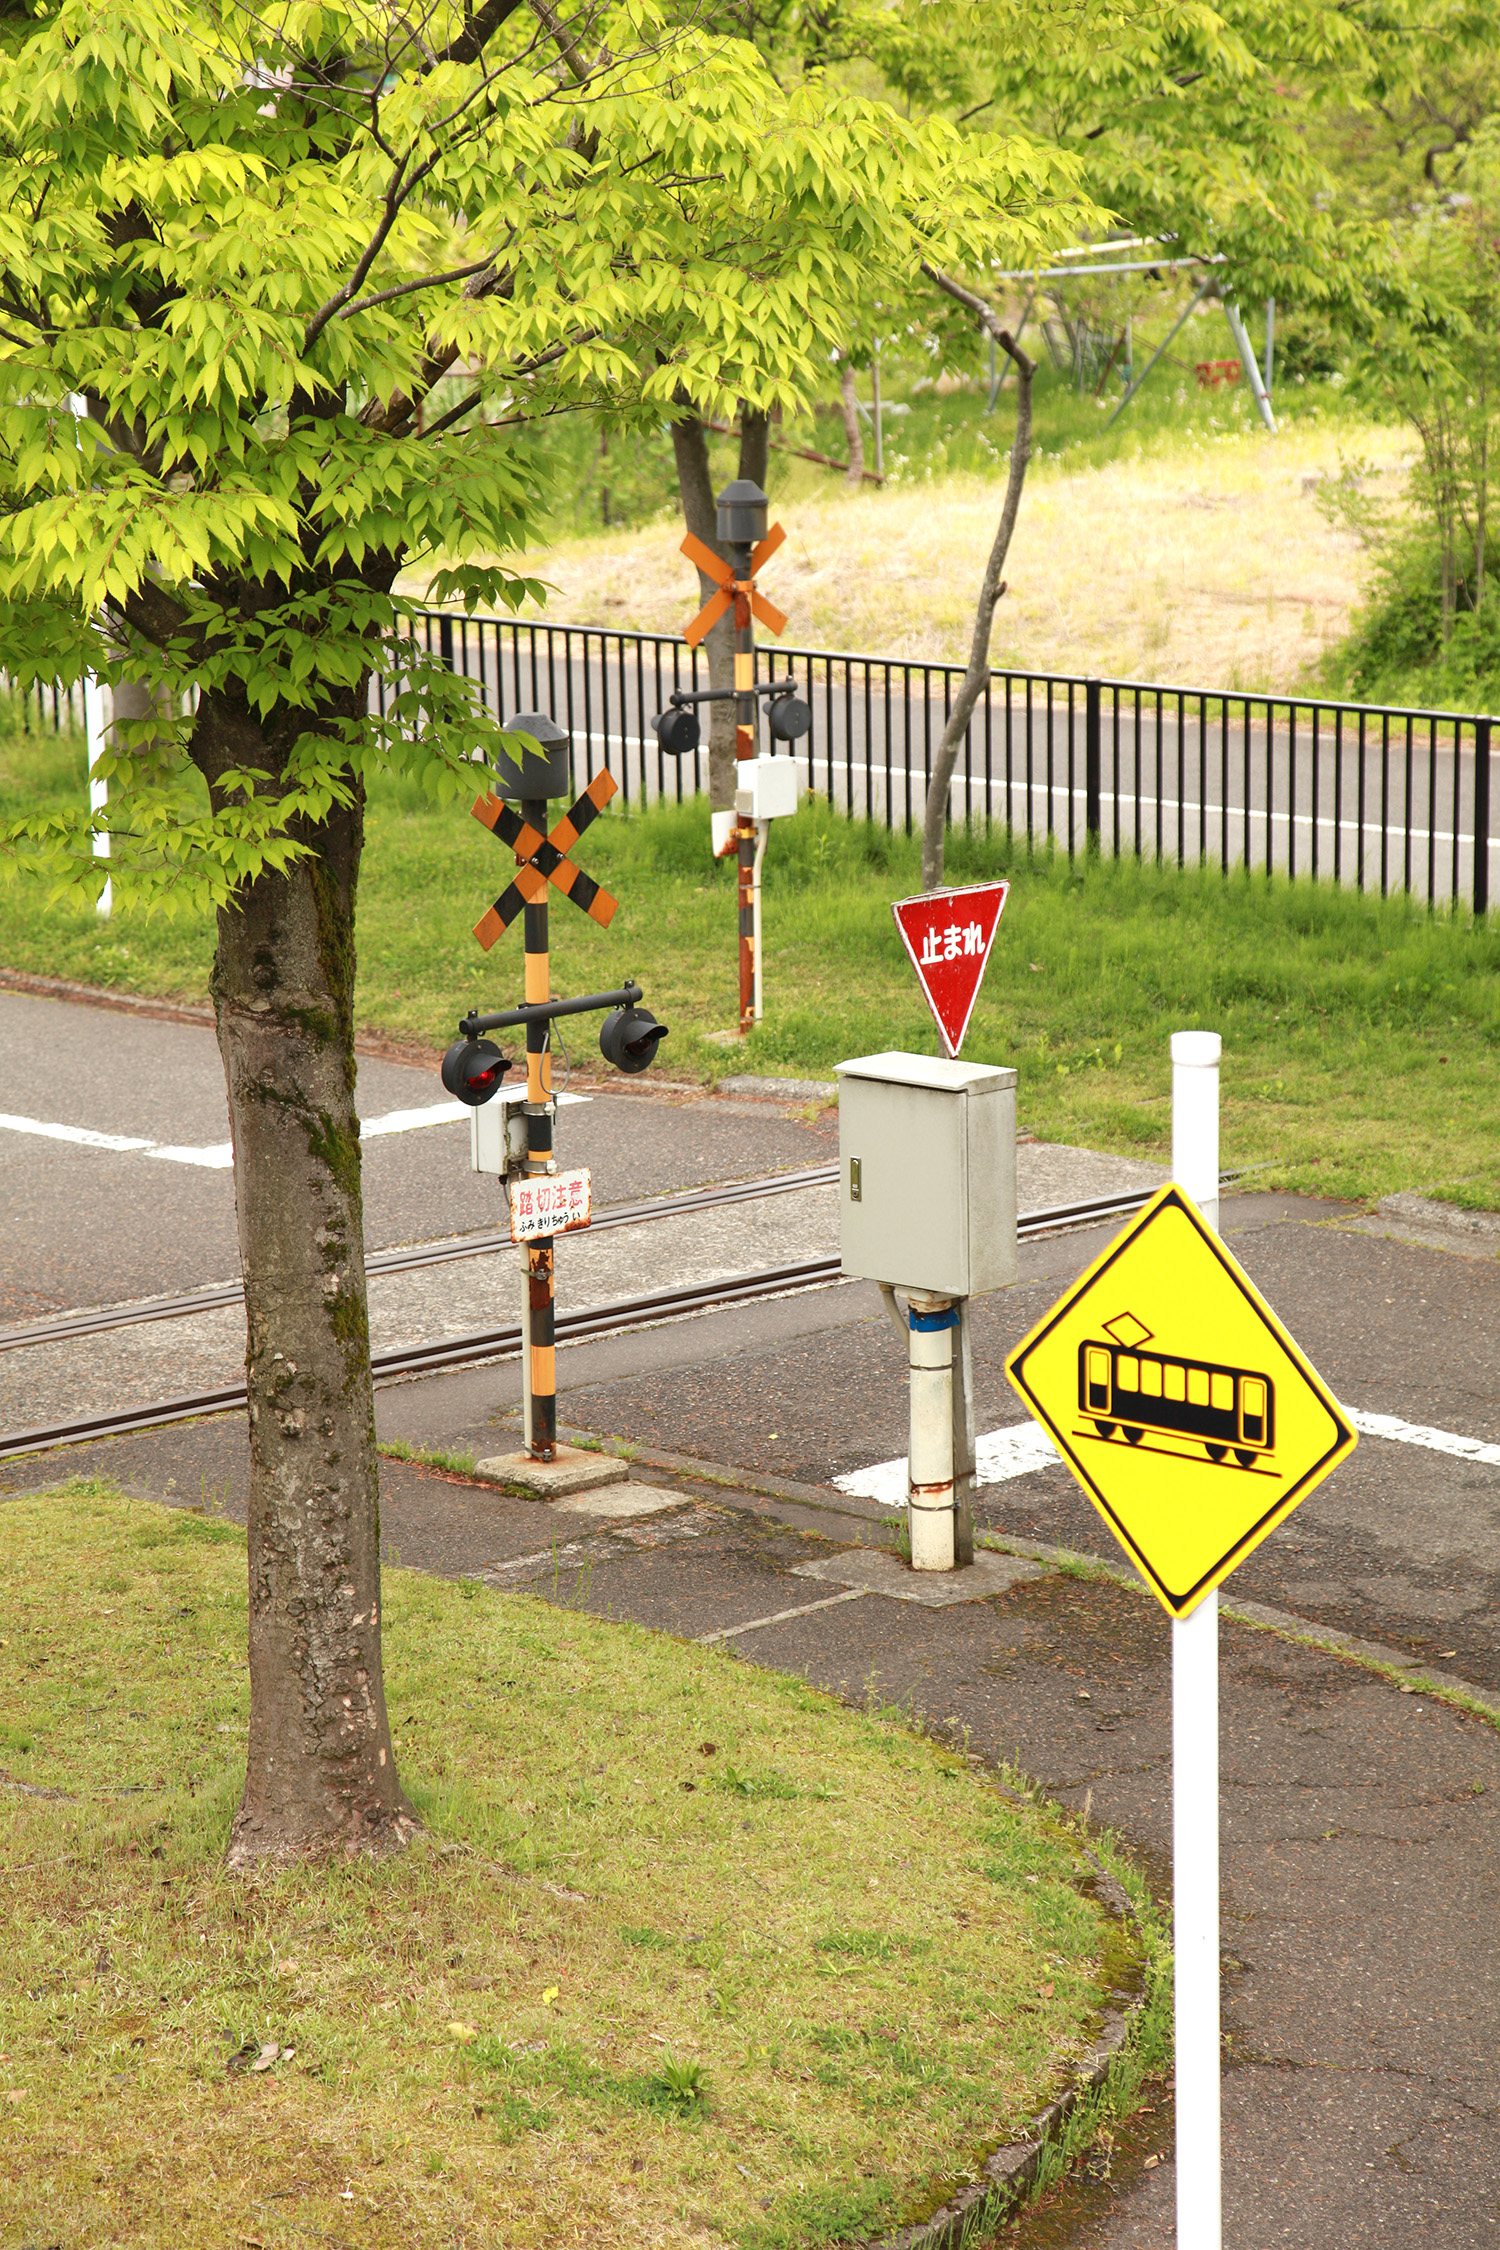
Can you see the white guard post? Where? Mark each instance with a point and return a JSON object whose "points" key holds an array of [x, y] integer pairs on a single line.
{"points": [[94, 723], [927, 1204], [770, 794], [1195, 1746]]}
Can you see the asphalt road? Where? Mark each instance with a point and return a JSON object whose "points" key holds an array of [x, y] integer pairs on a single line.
{"points": [[81, 1225]]}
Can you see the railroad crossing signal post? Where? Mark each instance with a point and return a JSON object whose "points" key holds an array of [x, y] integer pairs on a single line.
{"points": [[1195, 1425], [474, 1068], [927, 1204], [742, 510]]}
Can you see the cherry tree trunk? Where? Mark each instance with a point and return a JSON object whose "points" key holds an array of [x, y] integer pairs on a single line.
{"points": [[321, 1774]]}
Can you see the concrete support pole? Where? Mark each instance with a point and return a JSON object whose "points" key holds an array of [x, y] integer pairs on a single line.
{"points": [[1195, 1748], [94, 723], [933, 1327]]}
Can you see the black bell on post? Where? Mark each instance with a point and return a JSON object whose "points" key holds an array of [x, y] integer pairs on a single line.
{"points": [[678, 732], [742, 510], [530, 774], [629, 1038], [788, 717]]}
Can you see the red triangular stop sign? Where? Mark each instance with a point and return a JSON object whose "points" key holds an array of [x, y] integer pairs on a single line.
{"points": [[948, 935]]}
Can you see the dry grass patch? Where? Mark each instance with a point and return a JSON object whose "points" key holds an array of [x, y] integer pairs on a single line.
{"points": [[691, 1953], [1206, 560]]}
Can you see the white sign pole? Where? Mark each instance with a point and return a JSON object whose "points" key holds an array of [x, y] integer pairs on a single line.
{"points": [[1195, 1746], [94, 722]]}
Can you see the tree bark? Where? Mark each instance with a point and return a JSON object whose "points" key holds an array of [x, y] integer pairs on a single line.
{"points": [[853, 435], [992, 586], [701, 516], [321, 1774]]}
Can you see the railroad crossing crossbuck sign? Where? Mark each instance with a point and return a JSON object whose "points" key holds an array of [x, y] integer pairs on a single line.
{"points": [[543, 860], [741, 592], [1178, 1400]]}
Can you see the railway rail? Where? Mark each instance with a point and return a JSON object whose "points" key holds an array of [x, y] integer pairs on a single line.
{"points": [[498, 1342]]}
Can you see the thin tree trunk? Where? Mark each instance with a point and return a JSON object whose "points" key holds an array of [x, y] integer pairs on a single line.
{"points": [[854, 436], [992, 586], [321, 1773], [701, 516]]}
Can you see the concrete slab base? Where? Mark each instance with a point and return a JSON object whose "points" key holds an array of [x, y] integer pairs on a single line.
{"points": [[572, 1471], [620, 1500], [878, 1571]]}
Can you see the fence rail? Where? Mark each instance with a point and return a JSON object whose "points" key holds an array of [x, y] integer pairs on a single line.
{"points": [[1366, 794]]}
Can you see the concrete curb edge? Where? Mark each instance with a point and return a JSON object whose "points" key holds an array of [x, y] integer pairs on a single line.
{"points": [[1006, 2176]]}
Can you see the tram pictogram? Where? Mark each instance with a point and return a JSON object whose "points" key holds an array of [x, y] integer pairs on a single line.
{"points": [[1139, 1394]]}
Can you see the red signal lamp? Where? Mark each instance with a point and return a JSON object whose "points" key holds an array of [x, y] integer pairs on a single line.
{"points": [[473, 1069]]}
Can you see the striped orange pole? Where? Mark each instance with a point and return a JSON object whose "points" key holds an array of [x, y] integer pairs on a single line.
{"points": [[741, 525], [540, 1343], [744, 747]]}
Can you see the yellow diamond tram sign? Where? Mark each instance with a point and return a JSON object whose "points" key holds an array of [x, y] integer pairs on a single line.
{"points": [[1179, 1401]]}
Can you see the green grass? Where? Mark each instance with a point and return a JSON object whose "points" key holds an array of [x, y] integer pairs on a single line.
{"points": [[1360, 1035], [607, 1998]]}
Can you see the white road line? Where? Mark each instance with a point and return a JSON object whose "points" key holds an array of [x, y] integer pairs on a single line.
{"points": [[74, 1133], [1417, 1433], [1021, 1448], [218, 1156], [780, 1616], [408, 1120]]}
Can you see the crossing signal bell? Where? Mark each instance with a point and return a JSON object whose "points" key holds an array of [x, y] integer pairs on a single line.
{"points": [[678, 732], [473, 1070], [629, 1038], [788, 717]]}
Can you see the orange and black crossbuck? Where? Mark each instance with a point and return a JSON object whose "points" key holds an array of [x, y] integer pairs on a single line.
{"points": [[543, 861]]}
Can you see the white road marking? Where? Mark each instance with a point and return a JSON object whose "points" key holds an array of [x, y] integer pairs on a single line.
{"points": [[1417, 1433], [408, 1120], [1021, 1448], [75, 1133], [218, 1156], [780, 1616]]}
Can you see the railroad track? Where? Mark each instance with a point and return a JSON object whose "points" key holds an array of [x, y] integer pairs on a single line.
{"points": [[497, 1343]]}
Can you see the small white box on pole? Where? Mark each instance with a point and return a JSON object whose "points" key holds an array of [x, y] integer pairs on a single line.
{"points": [[766, 787]]}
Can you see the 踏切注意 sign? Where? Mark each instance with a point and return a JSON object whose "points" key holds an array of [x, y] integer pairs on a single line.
{"points": [[549, 1204]]}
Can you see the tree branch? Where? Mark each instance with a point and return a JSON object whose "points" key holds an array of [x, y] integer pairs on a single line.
{"points": [[409, 288], [480, 27], [992, 586]]}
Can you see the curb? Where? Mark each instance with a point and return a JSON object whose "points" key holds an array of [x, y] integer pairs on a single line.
{"points": [[1409, 1673], [1006, 2176]]}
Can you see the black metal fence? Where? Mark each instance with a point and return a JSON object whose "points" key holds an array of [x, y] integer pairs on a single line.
{"points": [[1364, 794]]}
